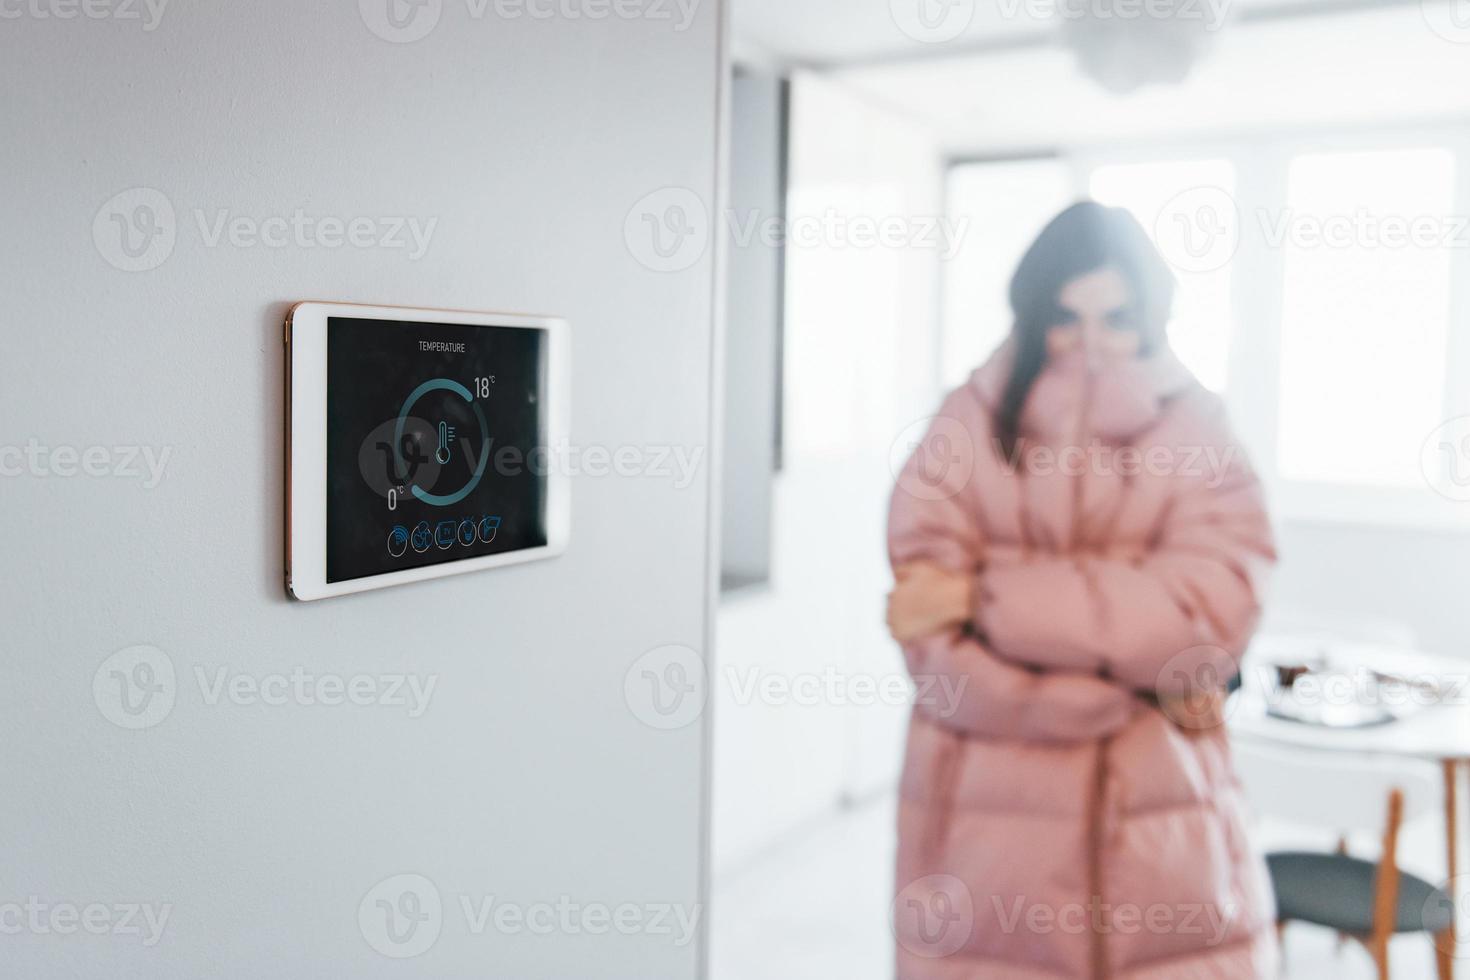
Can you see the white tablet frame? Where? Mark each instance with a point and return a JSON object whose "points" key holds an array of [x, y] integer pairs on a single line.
{"points": [[306, 444]]}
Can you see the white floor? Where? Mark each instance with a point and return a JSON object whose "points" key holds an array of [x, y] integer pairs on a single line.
{"points": [[817, 907]]}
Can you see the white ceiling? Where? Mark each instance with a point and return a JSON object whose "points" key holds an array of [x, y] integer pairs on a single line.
{"points": [[1380, 66], [827, 31]]}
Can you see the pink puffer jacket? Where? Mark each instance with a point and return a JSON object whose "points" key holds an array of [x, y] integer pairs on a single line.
{"points": [[1065, 812]]}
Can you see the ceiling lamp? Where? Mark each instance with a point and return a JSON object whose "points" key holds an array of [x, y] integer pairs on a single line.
{"points": [[1124, 45]]}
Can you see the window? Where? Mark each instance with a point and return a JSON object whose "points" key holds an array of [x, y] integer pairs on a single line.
{"points": [[1322, 289], [1180, 203], [1365, 313], [1005, 203]]}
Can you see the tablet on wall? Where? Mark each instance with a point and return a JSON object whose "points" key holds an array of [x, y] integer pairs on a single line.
{"points": [[419, 444]]}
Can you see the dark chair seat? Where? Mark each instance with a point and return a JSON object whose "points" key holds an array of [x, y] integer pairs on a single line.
{"points": [[1336, 891]]}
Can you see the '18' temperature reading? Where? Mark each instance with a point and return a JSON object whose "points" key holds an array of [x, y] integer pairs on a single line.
{"points": [[482, 386]]}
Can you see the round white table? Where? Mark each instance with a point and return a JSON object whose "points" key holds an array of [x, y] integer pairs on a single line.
{"points": [[1435, 732]]}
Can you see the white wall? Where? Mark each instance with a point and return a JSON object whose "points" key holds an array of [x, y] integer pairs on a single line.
{"points": [[860, 364], [528, 778], [1413, 577]]}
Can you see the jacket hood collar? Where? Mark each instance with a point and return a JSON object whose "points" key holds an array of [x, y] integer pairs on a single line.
{"points": [[1127, 396]]}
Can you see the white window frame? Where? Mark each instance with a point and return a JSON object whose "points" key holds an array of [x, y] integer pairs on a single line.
{"points": [[1261, 163]]}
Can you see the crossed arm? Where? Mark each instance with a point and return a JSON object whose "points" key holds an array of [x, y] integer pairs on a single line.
{"points": [[1058, 647]]}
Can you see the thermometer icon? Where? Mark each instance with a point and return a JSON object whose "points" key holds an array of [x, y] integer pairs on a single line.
{"points": [[446, 432]]}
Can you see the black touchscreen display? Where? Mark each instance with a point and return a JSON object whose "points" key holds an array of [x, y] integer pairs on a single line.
{"points": [[436, 443]]}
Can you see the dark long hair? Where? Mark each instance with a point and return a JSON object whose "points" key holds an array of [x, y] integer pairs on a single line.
{"points": [[1084, 238]]}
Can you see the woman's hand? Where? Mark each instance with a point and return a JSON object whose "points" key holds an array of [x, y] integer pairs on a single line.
{"points": [[1195, 711], [927, 599]]}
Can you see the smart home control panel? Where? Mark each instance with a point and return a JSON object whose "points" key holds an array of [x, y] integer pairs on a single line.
{"points": [[420, 444]]}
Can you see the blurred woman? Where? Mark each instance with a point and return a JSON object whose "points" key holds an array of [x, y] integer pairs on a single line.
{"points": [[1078, 546]]}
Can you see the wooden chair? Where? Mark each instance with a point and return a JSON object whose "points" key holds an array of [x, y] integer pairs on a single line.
{"points": [[1365, 900]]}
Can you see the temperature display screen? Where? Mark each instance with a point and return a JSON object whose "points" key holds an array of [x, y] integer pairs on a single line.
{"points": [[436, 444]]}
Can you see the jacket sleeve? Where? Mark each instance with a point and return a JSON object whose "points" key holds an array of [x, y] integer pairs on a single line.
{"points": [[1187, 606], [961, 683]]}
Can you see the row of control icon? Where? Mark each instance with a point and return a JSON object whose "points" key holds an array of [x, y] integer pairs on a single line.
{"points": [[443, 535]]}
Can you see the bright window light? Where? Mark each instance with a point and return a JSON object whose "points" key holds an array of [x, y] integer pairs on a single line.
{"points": [[1365, 313], [1200, 329], [1006, 204]]}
